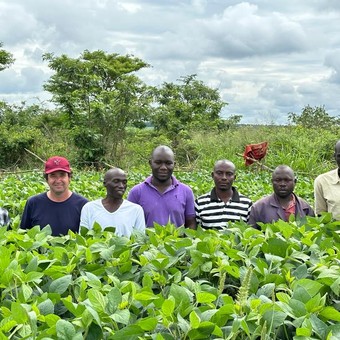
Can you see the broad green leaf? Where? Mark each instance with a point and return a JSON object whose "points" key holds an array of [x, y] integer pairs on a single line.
{"points": [[93, 280], [33, 322], [312, 287], [51, 319], [147, 324], [182, 323], [276, 247], [233, 271], [300, 272], [203, 297], [283, 297], [65, 330], [245, 326], [274, 318], [319, 327], [204, 331], [94, 332], [32, 265], [106, 254], [26, 291], [183, 243], [208, 314], [330, 313], [88, 254], [46, 307], [34, 277], [19, 313], [194, 320], [7, 325], [335, 286], [315, 303], [301, 294], [93, 312], [147, 281], [131, 332], [334, 330], [206, 266], [97, 299], [298, 307], [75, 308], [114, 298], [86, 318], [121, 316], [266, 290], [303, 332], [145, 296], [60, 285], [168, 306]]}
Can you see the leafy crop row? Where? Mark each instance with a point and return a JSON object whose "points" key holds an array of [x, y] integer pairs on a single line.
{"points": [[279, 283]]}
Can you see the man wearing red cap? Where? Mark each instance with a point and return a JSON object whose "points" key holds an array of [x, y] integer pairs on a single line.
{"points": [[59, 207]]}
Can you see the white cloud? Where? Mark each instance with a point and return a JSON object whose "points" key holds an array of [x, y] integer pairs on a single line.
{"points": [[267, 58]]}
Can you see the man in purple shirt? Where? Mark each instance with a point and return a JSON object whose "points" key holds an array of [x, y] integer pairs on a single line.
{"points": [[163, 198]]}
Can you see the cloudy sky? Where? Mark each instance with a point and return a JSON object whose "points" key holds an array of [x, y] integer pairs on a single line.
{"points": [[266, 57]]}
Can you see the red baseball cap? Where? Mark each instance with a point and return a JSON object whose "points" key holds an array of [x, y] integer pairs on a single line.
{"points": [[57, 163]]}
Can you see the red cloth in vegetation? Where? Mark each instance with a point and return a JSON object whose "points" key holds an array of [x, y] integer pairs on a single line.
{"points": [[255, 151]]}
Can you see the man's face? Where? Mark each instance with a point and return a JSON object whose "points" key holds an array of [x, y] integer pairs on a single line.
{"points": [[116, 184], [162, 165], [58, 181], [224, 176], [283, 183]]}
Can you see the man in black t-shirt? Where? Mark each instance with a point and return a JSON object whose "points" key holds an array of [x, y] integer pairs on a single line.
{"points": [[59, 207]]}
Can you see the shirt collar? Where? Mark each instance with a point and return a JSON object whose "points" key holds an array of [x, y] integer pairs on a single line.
{"points": [[336, 177], [174, 180], [292, 200], [214, 198]]}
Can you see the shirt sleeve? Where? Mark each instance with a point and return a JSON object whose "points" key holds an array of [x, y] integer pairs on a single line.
{"points": [[140, 221], [26, 220], [133, 195], [198, 217], [190, 204], [252, 220], [84, 217], [249, 210], [320, 202]]}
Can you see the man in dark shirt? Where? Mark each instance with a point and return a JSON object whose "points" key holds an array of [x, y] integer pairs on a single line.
{"points": [[282, 203], [59, 207]]}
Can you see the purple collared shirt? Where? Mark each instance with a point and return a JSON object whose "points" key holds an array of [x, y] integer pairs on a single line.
{"points": [[173, 205]]}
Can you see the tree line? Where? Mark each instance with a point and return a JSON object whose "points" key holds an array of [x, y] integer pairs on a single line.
{"points": [[99, 104]]}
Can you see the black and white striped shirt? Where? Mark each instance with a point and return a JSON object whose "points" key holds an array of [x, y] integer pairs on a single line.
{"points": [[211, 212], [4, 217]]}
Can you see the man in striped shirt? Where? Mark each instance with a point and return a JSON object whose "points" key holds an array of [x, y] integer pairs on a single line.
{"points": [[224, 203], [4, 217]]}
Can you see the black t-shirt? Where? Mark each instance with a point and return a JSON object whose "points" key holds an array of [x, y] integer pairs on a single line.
{"points": [[61, 216]]}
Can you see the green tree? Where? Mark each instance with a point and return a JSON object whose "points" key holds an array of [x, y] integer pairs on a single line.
{"points": [[6, 58], [313, 117], [100, 96], [17, 133], [185, 106]]}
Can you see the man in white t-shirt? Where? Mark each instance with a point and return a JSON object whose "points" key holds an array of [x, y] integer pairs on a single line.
{"points": [[113, 210]]}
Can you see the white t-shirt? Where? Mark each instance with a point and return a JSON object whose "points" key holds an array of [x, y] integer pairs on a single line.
{"points": [[128, 217]]}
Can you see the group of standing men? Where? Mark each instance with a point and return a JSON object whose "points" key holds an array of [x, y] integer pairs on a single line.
{"points": [[162, 199]]}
